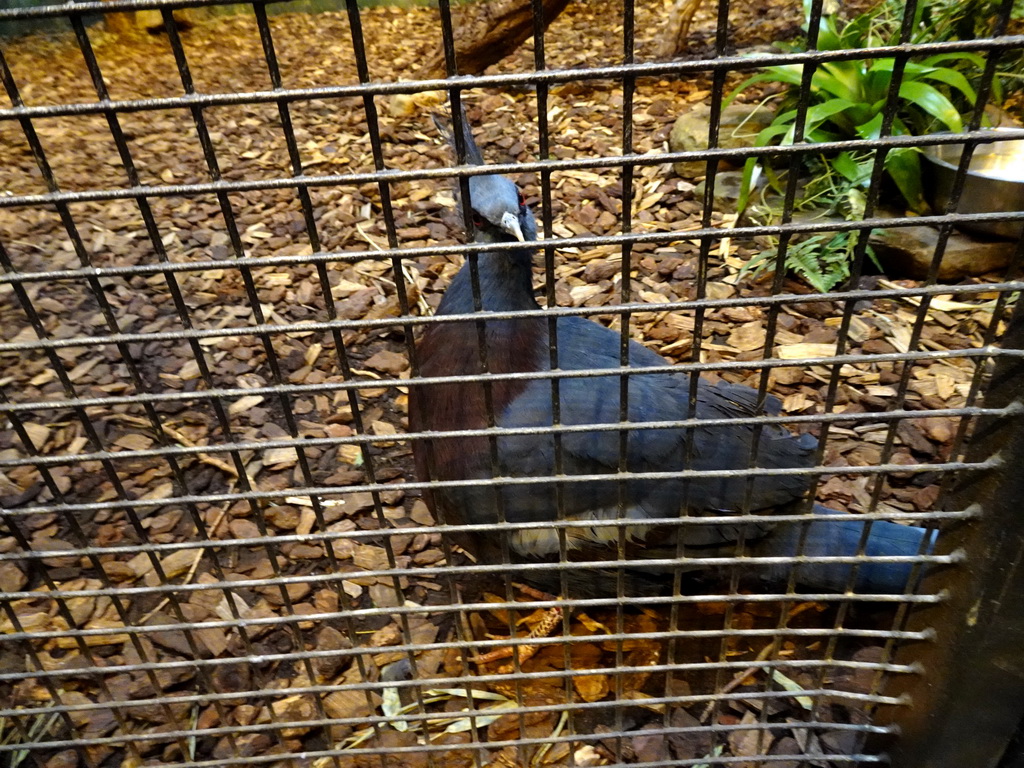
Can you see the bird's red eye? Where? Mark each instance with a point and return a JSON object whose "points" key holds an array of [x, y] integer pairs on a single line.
{"points": [[522, 200], [478, 220]]}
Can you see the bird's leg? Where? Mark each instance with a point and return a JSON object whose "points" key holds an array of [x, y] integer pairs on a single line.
{"points": [[543, 628]]}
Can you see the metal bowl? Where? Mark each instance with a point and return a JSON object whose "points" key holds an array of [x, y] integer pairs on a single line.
{"points": [[994, 183]]}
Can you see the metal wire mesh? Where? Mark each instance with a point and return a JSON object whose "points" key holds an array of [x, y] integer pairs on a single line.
{"points": [[212, 546]]}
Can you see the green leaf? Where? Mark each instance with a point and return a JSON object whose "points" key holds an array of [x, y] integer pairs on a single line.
{"points": [[876, 84], [856, 201], [745, 184], [938, 58], [803, 260], [826, 111], [850, 169], [840, 78], [757, 263], [782, 125], [872, 128], [784, 73], [904, 167], [899, 128], [828, 38], [928, 98], [953, 79], [857, 31], [874, 258]]}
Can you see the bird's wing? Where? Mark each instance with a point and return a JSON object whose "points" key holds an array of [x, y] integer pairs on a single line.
{"points": [[651, 397]]}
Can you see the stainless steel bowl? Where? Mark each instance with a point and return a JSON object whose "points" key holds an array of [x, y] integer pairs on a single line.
{"points": [[994, 183]]}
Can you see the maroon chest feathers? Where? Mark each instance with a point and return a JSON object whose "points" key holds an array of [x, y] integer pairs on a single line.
{"points": [[451, 349]]}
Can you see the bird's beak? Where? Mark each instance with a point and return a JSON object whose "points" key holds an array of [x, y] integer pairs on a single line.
{"points": [[510, 223]]}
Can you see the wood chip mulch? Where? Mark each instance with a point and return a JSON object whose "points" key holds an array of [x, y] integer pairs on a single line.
{"points": [[585, 120]]}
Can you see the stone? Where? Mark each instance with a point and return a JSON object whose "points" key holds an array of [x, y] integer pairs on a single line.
{"points": [[153, 21], [786, 746], [740, 124], [908, 252], [727, 189]]}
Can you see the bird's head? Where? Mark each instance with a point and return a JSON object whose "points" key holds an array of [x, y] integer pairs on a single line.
{"points": [[500, 213]]}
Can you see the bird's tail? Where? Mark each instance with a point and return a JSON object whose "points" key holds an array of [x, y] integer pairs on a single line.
{"points": [[443, 121], [838, 534]]}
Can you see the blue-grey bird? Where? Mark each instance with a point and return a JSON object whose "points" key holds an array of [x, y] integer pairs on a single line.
{"points": [[522, 345], [500, 213]]}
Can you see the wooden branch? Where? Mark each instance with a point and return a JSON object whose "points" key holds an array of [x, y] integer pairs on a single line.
{"points": [[679, 22], [488, 33]]}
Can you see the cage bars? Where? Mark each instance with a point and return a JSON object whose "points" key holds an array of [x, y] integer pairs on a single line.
{"points": [[305, 483]]}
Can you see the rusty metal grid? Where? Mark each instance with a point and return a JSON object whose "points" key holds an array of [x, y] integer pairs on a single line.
{"points": [[200, 713]]}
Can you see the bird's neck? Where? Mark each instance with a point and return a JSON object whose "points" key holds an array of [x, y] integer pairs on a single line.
{"points": [[506, 284]]}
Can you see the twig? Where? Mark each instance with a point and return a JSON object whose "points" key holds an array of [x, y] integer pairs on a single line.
{"points": [[174, 434], [409, 279], [739, 677], [194, 567]]}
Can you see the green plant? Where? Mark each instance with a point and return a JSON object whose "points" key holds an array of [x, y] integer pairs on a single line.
{"points": [[823, 260], [39, 727], [944, 20], [847, 98]]}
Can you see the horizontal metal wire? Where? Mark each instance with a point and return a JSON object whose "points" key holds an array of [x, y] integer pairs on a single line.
{"points": [[501, 568], [326, 755], [305, 328], [180, 451], [433, 683], [311, 491], [482, 644], [383, 533], [461, 608], [444, 682], [708, 597], [450, 682], [810, 725], [169, 735], [73, 8], [444, 748], [221, 186], [680, 368], [625, 238], [547, 77]]}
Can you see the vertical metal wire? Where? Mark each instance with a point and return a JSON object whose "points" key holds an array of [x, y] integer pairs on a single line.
{"points": [[945, 231], [154, 419], [717, 90], [362, 66], [860, 254], [771, 330], [312, 233], [625, 296], [550, 280], [700, 293], [227, 212], [459, 131]]}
